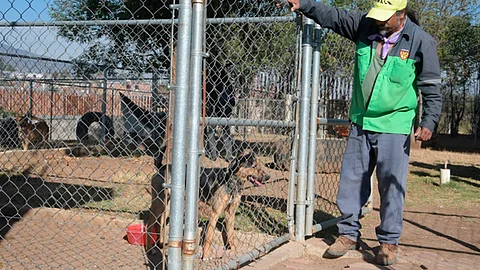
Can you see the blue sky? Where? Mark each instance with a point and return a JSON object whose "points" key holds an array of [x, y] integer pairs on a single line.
{"points": [[25, 10], [42, 41]]}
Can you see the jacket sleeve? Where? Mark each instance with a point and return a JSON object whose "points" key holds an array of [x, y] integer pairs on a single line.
{"points": [[429, 83], [340, 21]]}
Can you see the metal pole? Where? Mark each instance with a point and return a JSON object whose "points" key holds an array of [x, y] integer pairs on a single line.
{"points": [[303, 129], [197, 54], [155, 107], [231, 20], [292, 182], [252, 255], [103, 118], [112, 107], [52, 88], [179, 134], [31, 98], [329, 223], [476, 110], [220, 121], [293, 161], [312, 153]]}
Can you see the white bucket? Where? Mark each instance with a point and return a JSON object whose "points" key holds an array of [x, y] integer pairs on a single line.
{"points": [[444, 176]]}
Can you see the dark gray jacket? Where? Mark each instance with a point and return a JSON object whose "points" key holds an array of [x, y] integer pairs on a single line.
{"points": [[412, 64]]}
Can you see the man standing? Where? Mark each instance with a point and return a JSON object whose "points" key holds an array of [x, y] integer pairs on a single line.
{"points": [[220, 100], [394, 60]]}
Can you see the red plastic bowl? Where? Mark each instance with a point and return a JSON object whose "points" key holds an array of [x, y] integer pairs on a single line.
{"points": [[136, 234]]}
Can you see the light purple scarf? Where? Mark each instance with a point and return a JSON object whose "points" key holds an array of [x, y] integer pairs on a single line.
{"points": [[387, 42]]}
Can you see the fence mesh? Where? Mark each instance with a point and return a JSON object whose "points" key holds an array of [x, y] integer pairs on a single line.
{"points": [[86, 126]]}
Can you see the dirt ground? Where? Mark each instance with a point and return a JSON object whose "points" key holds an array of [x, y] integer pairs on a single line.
{"points": [[59, 211], [434, 237], [439, 232], [44, 237]]}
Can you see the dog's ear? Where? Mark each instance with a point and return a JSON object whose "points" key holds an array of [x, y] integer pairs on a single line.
{"points": [[237, 162], [246, 152], [234, 165], [246, 159]]}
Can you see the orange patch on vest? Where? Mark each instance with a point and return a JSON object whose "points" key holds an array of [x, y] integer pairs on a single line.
{"points": [[404, 54]]}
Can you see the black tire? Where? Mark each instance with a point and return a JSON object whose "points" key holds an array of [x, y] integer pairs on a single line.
{"points": [[91, 117]]}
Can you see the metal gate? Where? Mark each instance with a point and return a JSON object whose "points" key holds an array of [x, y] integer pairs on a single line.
{"points": [[106, 124]]}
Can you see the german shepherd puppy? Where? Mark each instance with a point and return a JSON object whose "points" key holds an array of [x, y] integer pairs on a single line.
{"points": [[32, 130], [221, 188]]}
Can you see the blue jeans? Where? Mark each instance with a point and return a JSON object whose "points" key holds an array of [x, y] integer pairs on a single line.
{"points": [[390, 154]]}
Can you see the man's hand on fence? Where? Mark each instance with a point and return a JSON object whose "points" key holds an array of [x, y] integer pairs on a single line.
{"points": [[423, 134], [293, 4]]}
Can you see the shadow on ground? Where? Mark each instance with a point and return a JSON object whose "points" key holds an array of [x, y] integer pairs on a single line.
{"points": [[19, 193], [457, 171]]}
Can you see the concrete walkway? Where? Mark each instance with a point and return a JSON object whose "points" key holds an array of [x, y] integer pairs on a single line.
{"points": [[309, 256]]}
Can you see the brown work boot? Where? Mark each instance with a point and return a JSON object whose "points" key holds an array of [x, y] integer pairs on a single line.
{"points": [[341, 246], [387, 255]]}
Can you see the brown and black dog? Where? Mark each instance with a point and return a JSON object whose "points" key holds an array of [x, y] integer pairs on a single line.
{"points": [[220, 188], [32, 130]]}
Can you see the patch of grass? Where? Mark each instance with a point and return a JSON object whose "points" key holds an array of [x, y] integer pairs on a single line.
{"points": [[254, 219], [127, 196], [260, 219], [131, 177], [424, 189]]}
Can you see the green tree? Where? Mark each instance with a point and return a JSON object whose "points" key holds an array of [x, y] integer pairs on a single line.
{"points": [[5, 66], [337, 52], [460, 53], [436, 17], [137, 47], [265, 47]]}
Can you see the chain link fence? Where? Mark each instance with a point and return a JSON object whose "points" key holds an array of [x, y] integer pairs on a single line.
{"points": [[92, 132]]}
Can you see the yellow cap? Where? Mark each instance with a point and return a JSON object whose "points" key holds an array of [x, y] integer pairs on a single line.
{"points": [[384, 9]]}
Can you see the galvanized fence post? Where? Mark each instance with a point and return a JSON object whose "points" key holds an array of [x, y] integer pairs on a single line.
{"points": [[197, 54], [294, 150], [303, 128], [179, 134], [312, 152], [103, 119]]}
